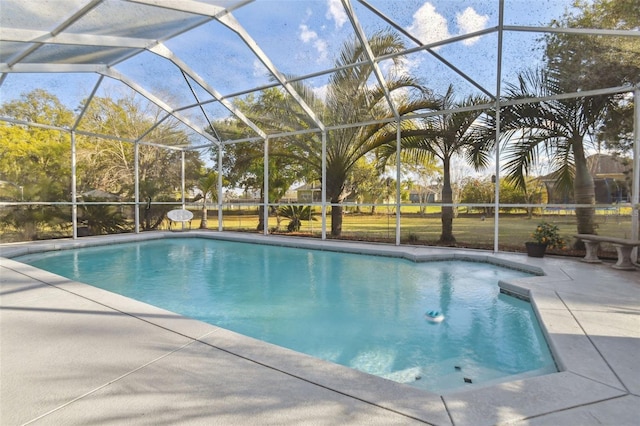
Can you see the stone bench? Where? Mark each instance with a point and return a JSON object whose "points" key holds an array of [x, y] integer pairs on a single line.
{"points": [[181, 216], [623, 248]]}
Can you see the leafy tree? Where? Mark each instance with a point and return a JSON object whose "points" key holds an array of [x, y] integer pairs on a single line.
{"points": [[443, 137], [349, 100], [109, 164], [39, 106], [481, 191], [584, 62], [510, 194], [477, 191], [32, 155], [616, 131], [104, 219], [243, 166], [39, 160], [35, 161], [557, 127], [16, 156], [422, 172], [152, 216], [366, 185], [561, 128]]}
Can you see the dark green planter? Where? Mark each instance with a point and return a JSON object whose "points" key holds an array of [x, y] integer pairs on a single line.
{"points": [[535, 249]]}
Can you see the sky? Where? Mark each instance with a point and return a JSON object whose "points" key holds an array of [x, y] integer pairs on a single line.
{"points": [[303, 37]]}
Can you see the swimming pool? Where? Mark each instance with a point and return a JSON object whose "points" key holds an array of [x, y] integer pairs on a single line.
{"points": [[365, 312]]}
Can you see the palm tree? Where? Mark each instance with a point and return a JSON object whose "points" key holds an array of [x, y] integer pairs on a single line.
{"points": [[350, 99], [207, 184], [295, 214], [558, 127], [103, 219], [444, 136]]}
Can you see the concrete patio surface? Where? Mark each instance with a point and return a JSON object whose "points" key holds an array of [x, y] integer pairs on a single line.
{"points": [[74, 354]]}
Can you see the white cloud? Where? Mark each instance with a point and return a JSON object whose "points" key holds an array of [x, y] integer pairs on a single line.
{"points": [[321, 92], [429, 26], [403, 67], [407, 67], [309, 36], [336, 13], [306, 34], [469, 21], [321, 47], [259, 69]]}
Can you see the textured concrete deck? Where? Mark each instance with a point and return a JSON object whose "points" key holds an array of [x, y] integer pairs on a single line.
{"points": [[74, 354]]}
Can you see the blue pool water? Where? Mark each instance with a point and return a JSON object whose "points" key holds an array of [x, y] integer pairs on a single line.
{"points": [[364, 312]]}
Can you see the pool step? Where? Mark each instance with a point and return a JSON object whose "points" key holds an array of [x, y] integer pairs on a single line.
{"points": [[445, 375]]}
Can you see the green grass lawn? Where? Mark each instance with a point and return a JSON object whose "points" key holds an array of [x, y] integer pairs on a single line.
{"points": [[473, 230]]}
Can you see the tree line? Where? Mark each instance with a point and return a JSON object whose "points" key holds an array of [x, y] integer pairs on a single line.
{"points": [[35, 162]]}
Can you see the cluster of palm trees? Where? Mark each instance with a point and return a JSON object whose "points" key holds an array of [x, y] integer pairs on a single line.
{"points": [[465, 128]]}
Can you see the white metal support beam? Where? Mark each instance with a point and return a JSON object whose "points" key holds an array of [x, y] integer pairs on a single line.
{"points": [[324, 185], [398, 176], [581, 31], [36, 45], [23, 35], [182, 180], [190, 6], [74, 194], [136, 185], [51, 68], [496, 186], [635, 186], [220, 195], [265, 186]]}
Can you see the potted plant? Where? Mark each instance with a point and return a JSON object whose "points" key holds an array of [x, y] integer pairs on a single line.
{"points": [[545, 235]]}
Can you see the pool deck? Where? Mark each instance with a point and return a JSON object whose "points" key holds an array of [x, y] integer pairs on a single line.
{"points": [[74, 354]]}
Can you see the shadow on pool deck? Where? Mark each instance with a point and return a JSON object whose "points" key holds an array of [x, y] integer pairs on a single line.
{"points": [[74, 354]]}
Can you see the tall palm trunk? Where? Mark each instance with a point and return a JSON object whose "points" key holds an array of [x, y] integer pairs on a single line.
{"points": [[584, 189], [260, 226], [447, 211], [203, 223], [335, 193], [336, 218]]}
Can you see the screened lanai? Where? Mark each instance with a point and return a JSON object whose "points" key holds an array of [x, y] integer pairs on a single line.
{"points": [[456, 123]]}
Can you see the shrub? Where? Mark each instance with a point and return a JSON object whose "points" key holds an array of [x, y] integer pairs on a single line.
{"points": [[546, 233]]}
